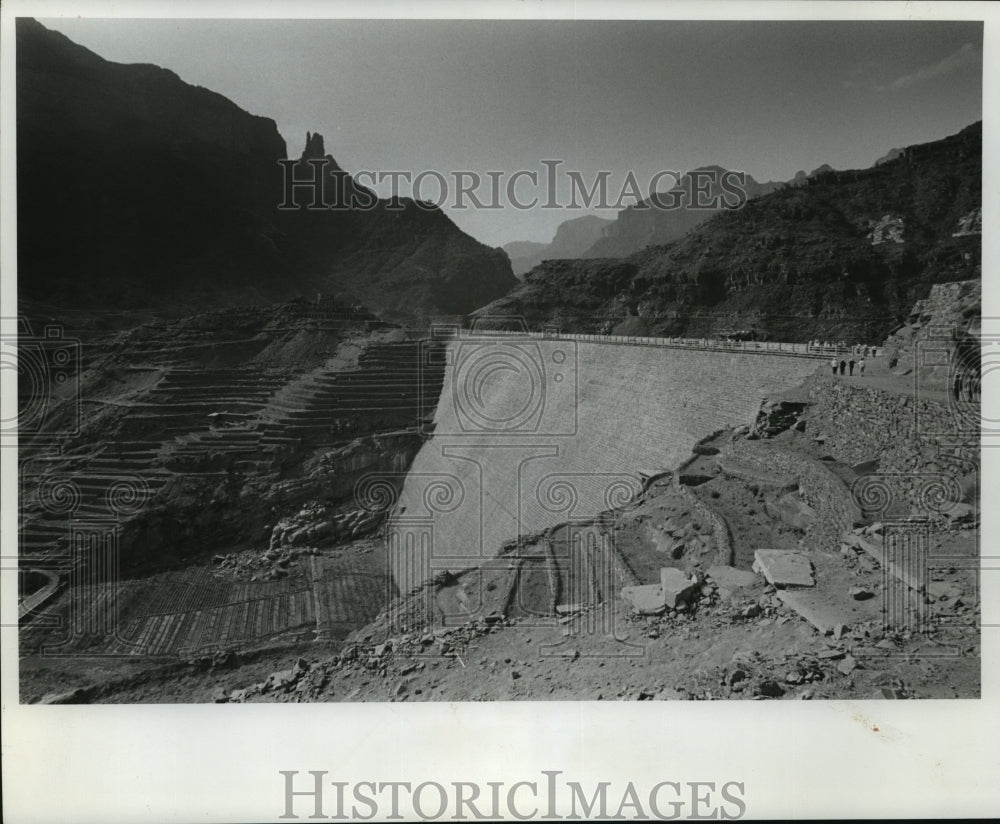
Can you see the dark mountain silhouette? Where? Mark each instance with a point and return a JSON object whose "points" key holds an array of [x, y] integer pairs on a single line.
{"points": [[572, 239], [139, 191], [840, 255]]}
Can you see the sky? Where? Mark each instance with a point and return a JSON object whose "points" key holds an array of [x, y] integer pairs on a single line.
{"points": [[767, 98]]}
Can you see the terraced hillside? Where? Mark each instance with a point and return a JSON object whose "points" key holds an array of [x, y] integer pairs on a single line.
{"points": [[206, 435]]}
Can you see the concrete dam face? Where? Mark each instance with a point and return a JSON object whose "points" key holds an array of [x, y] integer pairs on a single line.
{"points": [[533, 432]]}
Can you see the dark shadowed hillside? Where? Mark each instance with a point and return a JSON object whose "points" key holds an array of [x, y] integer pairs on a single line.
{"points": [[137, 191], [844, 255]]}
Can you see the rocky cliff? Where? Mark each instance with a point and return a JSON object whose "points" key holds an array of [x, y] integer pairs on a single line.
{"points": [[844, 255], [573, 238], [137, 190]]}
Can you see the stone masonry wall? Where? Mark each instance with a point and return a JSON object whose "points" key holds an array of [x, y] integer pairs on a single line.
{"points": [[927, 453]]}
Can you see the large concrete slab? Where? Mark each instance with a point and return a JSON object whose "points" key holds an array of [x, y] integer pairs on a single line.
{"points": [[817, 608], [784, 567]]}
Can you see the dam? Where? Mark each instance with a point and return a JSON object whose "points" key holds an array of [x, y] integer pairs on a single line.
{"points": [[534, 430]]}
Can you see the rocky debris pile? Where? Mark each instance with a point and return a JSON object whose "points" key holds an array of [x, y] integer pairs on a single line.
{"points": [[262, 566], [299, 679], [853, 660], [676, 592], [683, 537], [859, 662], [945, 591], [393, 661], [314, 526], [678, 597], [776, 416]]}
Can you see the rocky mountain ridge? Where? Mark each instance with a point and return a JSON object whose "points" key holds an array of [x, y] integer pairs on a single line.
{"points": [[844, 256], [138, 191]]}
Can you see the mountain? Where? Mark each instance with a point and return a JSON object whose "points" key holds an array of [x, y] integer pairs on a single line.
{"points": [[669, 215], [572, 239], [138, 191], [842, 255]]}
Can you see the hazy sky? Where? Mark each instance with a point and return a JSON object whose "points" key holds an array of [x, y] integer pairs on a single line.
{"points": [[768, 98]]}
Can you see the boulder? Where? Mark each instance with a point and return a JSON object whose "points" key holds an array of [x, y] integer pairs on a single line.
{"points": [[646, 599], [676, 587]]}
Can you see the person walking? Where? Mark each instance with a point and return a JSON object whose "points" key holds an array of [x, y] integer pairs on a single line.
{"points": [[843, 366], [850, 366], [833, 363], [861, 367]]}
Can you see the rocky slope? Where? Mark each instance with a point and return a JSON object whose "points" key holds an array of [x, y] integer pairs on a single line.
{"points": [[140, 191], [944, 327], [844, 256]]}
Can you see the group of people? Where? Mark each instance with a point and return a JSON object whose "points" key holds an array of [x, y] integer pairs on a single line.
{"points": [[858, 349], [849, 365]]}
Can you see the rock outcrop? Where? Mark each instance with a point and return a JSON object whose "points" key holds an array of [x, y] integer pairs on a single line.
{"points": [[940, 334]]}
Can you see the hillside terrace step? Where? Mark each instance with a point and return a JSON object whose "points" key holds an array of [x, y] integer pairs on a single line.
{"points": [[196, 407], [348, 403], [338, 387], [222, 382], [216, 435], [351, 404], [344, 401]]}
